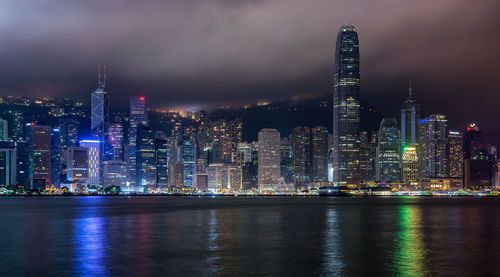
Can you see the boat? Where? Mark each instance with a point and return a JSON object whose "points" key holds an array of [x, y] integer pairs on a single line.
{"points": [[334, 191]]}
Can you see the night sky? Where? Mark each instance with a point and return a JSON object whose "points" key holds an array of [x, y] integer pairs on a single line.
{"points": [[208, 53]]}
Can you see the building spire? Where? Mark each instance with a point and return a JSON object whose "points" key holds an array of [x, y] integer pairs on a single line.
{"points": [[410, 91], [102, 81], [99, 75]]}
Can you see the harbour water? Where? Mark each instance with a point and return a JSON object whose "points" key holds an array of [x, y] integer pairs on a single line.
{"points": [[243, 236]]}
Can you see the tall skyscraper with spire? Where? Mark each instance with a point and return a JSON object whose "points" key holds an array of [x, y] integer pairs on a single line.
{"points": [[410, 115], [346, 108], [100, 118]]}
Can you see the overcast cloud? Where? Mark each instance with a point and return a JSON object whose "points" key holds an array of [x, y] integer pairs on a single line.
{"points": [[211, 52]]}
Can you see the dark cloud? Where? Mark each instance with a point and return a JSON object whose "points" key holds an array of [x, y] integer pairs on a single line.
{"points": [[217, 52]]}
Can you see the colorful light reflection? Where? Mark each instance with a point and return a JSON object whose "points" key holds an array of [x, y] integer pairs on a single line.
{"points": [[410, 255]]}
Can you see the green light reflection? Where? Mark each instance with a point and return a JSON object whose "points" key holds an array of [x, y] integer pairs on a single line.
{"points": [[410, 254]]}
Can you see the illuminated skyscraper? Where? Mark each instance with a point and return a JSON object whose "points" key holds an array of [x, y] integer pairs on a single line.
{"points": [[236, 129], [346, 107], [68, 129], [55, 157], [4, 129], [219, 136], [224, 177], [431, 151], [480, 161], [366, 158], [319, 154], [176, 175], [246, 149], [201, 134], [455, 155], [116, 140], [481, 171], [78, 164], [187, 155], [100, 118], [410, 164], [410, 115], [231, 178], [94, 161], [146, 156], [38, 138], [214, 172], [388, 151], [17, 125], [269, 159], [24, 163], [300, 139], [286, 161], [472, 141], [138, 115], [7, 163], [162, 155], [201, 159]]}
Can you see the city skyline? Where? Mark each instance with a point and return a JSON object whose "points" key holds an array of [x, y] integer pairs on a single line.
{"points": [[249, 138], [187, 67], [211, 153], [167, 150]]}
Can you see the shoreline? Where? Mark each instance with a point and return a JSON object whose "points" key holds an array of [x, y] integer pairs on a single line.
{"points": [[247, 196]]}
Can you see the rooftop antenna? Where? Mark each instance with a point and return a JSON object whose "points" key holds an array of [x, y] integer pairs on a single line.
{"points": [[410, 90], [99, 75], [104, 81]]}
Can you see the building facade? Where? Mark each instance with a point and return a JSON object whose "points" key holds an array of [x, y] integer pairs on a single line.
{"points": [[409, 165], [4, 129], [162, 156], [100, 118], [8, 163], [138, 115], [24, 163], [55, 157], [269, 159], [187, 154], [116, 140], [78, 164], [432, 141], [455, 155], [300, 140], [346, 108], [38, 137], [94, 161], [388, 151], [319, 154], [115, 173], [410, 115], [145, 156]]}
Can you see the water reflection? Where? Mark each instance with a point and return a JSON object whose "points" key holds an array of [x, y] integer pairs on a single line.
{"points": [[410, 254], [213, 257], [89, 244], [333, 264], [142, 244], [250, 237]]}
